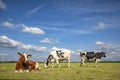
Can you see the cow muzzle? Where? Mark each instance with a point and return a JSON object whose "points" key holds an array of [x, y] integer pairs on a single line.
{"points": [[104, 55], [45, 66]]}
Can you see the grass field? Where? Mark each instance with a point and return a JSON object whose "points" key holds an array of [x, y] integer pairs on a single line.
{"points": [[104, 71]]}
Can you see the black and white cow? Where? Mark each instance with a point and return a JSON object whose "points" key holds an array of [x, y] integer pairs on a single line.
{"points": [[57, 56], [91, 56]]}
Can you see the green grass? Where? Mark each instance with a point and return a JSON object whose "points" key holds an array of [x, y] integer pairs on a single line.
{"points": [[104, 71]]}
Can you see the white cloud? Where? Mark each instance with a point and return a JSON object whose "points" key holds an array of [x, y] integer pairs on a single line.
{"points": [[99, 43], [101, 25], [7, 24], [78, 7], [3, 5], [48, 41], [36, 9], [9, 43], [106, 46], [55, 48], [33, 30], [113, 51], [69, 30], [3, 55]]}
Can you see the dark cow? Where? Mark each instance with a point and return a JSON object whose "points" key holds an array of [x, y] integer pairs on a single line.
{"points": [[24, 64], [91, 56]]}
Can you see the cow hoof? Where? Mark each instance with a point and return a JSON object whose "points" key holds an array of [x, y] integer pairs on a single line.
{"points": [[27, 70], [45, 66], [16, 71]]}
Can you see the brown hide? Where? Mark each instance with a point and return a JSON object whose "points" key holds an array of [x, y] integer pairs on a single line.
{"points": [[31, 65], [24, 64], [21, 64]]}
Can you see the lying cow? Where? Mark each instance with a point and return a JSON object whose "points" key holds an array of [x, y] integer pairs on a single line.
{"points": [[57, 56], [23, 64], [32, 65], [91, 56]]}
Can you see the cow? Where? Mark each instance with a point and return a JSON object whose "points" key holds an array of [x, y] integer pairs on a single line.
{"points": [[91, 56], [57, 56], [32, 65], [23, 64]]}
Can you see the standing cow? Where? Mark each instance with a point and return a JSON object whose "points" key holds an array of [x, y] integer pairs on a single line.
{"points": [[91, 56], [58, 55]]}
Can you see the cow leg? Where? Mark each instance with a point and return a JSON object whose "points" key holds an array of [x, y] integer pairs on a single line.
{"points": [[57, 61], [96, 62], [45, 64], [16, 71], [27, 70], [53, 65], [37, 66], [68, 63], [21, 70], [82, 60]]}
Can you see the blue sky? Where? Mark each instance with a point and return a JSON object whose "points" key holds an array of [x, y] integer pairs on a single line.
{"points": [[37, 26]]}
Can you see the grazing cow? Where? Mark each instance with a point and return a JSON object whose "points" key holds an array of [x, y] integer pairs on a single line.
{"points": [[58, 55], [24, 64], [91, 56]]}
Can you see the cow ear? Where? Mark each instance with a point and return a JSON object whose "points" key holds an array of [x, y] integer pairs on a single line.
{"points": [[29, 55], [19, 54]]}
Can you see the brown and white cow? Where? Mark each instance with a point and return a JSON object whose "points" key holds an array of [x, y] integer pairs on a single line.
{"points": [[23, 64], [32, 65]]}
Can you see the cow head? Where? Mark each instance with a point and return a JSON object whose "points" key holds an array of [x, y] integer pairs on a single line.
{"points": [[103, 54], [82, 54], [48, 60], [58, 51], [24, 57]]}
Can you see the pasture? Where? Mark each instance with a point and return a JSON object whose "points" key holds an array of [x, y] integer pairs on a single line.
{"points": [[104, 71]]}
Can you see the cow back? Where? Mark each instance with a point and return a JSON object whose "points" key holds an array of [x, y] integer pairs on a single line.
{"points": [[99, 55], [90, 55]]}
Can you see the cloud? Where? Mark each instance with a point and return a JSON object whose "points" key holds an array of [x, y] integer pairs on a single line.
{"points": [[7, 24], [78, 7], [9, 43], [113, 51], [3, 5], [3, 55], [56, 48], [106, 46], [74, 31], [101, 25], [36, 9], [33, 30], [48, 41]]}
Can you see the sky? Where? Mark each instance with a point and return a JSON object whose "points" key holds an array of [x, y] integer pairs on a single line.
{"points": [[37, 26]]}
